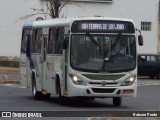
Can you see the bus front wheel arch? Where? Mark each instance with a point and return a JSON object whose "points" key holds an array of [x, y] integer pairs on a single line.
{"points": [[36, 94], [63, 100]]}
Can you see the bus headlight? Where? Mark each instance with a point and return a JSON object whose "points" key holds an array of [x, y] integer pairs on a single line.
{"points": [[129, 81], [76, 80]]}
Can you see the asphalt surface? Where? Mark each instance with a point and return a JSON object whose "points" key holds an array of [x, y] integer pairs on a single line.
{"points": [[9, 75], [14, 97]]}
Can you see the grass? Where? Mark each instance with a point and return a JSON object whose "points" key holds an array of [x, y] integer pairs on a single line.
{"points": [[9, 61]]}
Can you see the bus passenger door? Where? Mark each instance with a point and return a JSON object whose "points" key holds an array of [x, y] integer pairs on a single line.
{"points": [[43, 60], [24, 57], [28, 69]]}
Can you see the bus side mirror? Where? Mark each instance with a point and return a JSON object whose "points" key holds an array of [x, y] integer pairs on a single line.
{"points": [[65, 43], [140, 40]]}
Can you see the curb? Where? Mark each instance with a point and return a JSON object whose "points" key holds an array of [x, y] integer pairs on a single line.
{"points": [[10, 81]]}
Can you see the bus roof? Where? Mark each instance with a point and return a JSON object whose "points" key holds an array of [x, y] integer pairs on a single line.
{"points": [[68, 21], [28, 24]]}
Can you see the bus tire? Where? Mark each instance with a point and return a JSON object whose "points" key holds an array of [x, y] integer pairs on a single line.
{"points": [[36, 94], [117, 101], [58, 86], [63, 100], [48, 96]]}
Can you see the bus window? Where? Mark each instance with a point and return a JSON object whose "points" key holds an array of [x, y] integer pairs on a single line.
{"points": [[51, 41], [24, 41], [59, 40], [37, 41]]}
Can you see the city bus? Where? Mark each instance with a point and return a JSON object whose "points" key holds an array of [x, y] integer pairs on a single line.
{"points": [[86, 58]]}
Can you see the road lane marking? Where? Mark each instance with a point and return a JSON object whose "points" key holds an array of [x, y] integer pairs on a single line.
{"points": [[148, 82], [12, 85]]}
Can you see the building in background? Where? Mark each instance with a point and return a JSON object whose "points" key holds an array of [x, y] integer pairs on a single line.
{"points": [[10, 24], [143, 12]]}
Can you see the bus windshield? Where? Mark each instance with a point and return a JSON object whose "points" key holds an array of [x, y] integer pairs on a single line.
{"points": [[103, 53]]}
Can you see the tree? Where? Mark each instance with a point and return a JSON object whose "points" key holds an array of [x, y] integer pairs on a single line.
{"points": [[49, 7], [54, 6]]}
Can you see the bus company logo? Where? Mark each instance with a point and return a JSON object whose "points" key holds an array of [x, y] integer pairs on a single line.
{"points": [[6, 114], [103, 83]]}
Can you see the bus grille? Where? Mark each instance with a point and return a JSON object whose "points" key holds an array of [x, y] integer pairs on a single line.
{"points": [[100, 83], [103, 90], [103, 77]]}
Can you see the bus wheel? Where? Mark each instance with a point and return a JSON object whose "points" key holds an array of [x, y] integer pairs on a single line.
{"points": [[36, 94], [59, 89], [48, 96], [117, 101], [63, 100]]}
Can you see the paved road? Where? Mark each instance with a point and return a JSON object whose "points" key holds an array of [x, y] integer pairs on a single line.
{"points": [[9, 75], [145, 82], [16, 98], [147, 99]]}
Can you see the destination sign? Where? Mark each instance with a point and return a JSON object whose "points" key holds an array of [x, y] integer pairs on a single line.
{"points": [[103, 26], [96, 26]]}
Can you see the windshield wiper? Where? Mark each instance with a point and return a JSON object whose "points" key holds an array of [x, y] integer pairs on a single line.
{"points": [[92, 38], [116, 41], [106, 58]]}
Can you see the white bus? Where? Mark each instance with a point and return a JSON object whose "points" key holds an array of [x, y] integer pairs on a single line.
{"points": [[92, 57]]}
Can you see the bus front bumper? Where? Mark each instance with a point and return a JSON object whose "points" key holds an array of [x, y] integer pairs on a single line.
{"points": [[97, 92]]}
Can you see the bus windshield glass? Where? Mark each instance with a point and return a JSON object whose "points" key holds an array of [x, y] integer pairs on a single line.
{"points": [[103, 53]]}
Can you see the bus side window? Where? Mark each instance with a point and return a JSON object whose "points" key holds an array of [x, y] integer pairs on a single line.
{"points": [[24, 41], [33, 40], [37, 40], [51, 41], [59, 40]]}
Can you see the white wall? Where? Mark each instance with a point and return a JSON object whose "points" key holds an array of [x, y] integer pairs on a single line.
{"points": [[10, 30], [138, 10]]}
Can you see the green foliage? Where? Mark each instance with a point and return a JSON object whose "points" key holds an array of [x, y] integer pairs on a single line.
{"points": [[9, 61]]}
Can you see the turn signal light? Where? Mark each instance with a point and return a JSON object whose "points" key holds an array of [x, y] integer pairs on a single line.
{"points": [[128, 91]]}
